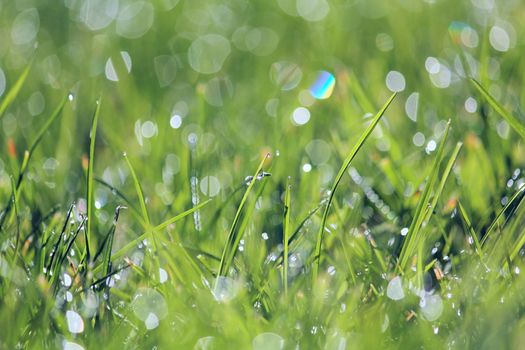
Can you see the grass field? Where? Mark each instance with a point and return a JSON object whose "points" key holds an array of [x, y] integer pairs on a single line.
{"points": [[284, 174]]}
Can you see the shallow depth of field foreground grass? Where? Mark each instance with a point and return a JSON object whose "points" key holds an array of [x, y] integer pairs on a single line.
{"points": [[280, 174]]}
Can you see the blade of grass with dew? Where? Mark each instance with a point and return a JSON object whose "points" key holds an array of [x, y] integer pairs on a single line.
{"points": [[464, 217], [223, 266], [122, 251], [90, 188], [515, 123], [342, 170], [13, 92], [29, 153], [243, 224], [515, 200], [138, 190], [286, 233], [412, 237]]}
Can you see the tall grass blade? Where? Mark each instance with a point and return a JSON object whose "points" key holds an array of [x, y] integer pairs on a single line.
{"points": [[90, 188], [342, 170], [229, 247], [515, 123], [138, 189], [422, 210], [13, 92], [286, 234]]}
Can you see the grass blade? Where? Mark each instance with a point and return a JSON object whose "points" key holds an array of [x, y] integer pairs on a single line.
{"points": [[122, 251], [286, 234], [230, 246], [13, 92], [90, 189], [515, 123], [338, 178], [422, 213], [140, 194]]}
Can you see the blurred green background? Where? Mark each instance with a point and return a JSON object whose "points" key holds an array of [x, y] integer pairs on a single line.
{"points": [[196, 92]]}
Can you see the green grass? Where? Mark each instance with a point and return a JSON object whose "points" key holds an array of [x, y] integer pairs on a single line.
{"points": [[389, 214]]}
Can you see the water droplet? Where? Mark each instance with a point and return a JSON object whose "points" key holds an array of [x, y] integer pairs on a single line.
{"points": [[225, 289], [148, 301], [431, 307], [265, 236], [75, 324], [70, 97], [152, 321], [268, 341], [175, 121], [69, 345], [307, 167], [163, 275], [67, 280], [395, 289], [404, 231]]}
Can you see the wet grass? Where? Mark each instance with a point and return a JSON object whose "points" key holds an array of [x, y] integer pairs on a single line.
{"points": [[243, 208]]}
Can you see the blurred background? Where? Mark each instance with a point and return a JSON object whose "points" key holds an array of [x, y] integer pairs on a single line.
{"points": [[197, 92]]}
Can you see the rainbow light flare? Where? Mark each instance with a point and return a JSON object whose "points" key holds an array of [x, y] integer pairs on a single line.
{"points": [[455, 29], [323, 86]]}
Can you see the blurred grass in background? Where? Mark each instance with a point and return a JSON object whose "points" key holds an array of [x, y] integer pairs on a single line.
{"points": [[195, 93]]}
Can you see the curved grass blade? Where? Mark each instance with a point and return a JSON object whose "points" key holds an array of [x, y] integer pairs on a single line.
{"points": [[286, 234], [422, 211], [28, 154], [90, 189], [514, 201], [122, 251], [342, 170], [138, 189], [515, 123], [13, 92], [230, 243]]}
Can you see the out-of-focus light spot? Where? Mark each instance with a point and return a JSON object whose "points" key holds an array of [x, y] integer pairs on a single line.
{"points": [[175, 121], [307, 167], [305, 98], [111, 72], [75, 324], [471, 105], [217, 90], [210, 186], [36, 103], [431, 146], [411, 106], [395, 81], [25, 26], [319, 151], [208, 53], [323, 86], [384, 42], [462, 33], [483, 4], [301, 116], [98, 14], [286, 75], [165, 69], [148, 129], [271, 107], [418, 139], [2, 82], [69, 345], [432, 65], [135, 19], [499, 39], [313, 10]]}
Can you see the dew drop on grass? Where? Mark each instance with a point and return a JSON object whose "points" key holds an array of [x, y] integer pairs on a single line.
{"points": [[75, 324], [151, 321], [66, 280], [307, 167], [69, 345], [265, 236], [225, 289], [163, 275], [148, 301], [268, 341], [431, 307], [394, 289], [404, 231]]}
